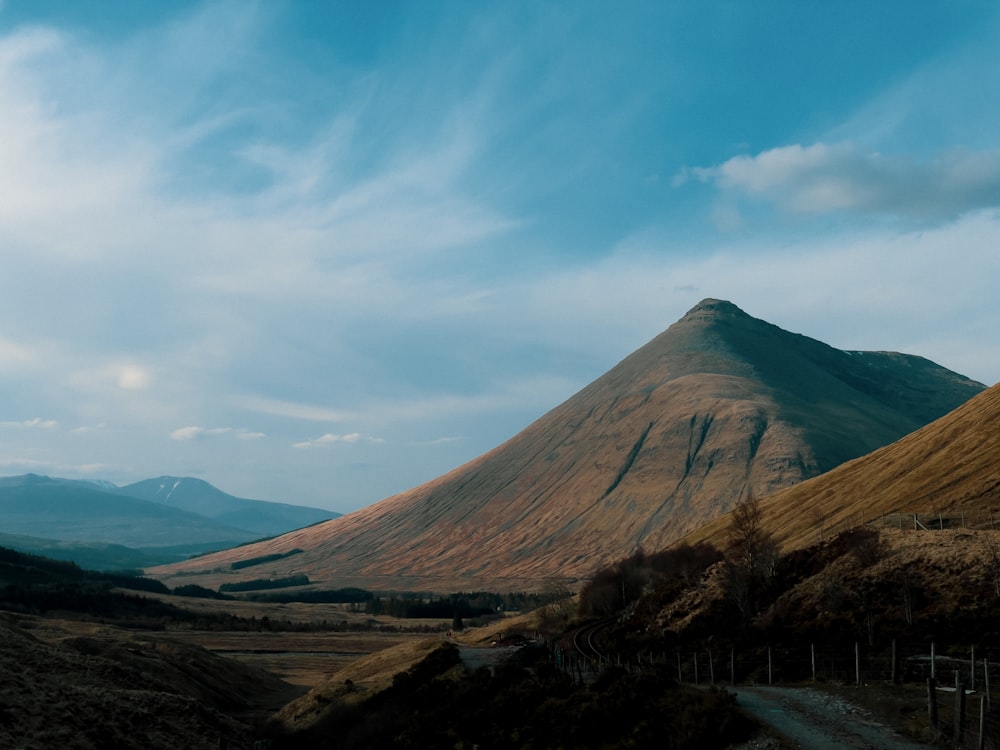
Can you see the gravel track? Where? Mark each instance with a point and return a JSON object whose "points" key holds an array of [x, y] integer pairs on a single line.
{"points": [[812, 719]]}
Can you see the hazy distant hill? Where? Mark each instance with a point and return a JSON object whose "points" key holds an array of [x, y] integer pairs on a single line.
{"points": [[80, 511], [719, 405], [99, 525], [198, 496], [96, 555]]}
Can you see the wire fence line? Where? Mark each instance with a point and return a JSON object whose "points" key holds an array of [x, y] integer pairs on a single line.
{"points": [[983, 519], [960, 711]]}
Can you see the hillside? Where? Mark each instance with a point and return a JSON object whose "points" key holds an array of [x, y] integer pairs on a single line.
{"points": [[84, 685], [719, 405], [945, 472]]}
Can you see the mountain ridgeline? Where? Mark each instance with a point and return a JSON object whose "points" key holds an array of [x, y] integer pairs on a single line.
{"points": [[718, 407]]}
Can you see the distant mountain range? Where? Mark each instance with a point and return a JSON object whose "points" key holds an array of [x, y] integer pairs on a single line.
{"points": [[97, 524], [718, 407]]}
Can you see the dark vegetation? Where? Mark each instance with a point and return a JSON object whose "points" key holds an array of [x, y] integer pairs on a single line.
{"points": [[259, 584], [526, 703], [241, 564], [465, 605], [652, 579], [748, 598], [315, 596]]}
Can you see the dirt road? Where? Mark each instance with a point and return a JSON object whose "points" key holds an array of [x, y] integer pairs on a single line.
{"points": [[815, 720]]}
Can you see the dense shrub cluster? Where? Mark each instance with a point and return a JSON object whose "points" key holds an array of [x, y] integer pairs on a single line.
{"points": [[662, 575]]}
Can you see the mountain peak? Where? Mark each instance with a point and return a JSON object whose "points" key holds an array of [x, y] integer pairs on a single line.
{"points": [[711, 306]]}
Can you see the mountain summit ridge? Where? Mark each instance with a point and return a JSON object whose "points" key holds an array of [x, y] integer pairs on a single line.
{"points": [[719, 405]]}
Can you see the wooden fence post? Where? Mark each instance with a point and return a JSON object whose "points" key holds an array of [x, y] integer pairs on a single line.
{"points": [[933, 662], [711, 667], [812, 655], [981, 745], [857, 664], [894, 663], [932, 710], [695, 667], [986, 678], [972, 670], [960, 713], [769, 674]]}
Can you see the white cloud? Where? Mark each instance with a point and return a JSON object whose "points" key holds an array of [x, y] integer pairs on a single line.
{"points": [[187, 433], [36, 422], [195, 432], [824, 178], [15, 357], [329, 439]]}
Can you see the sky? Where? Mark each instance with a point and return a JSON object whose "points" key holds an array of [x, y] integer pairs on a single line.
{"points": [[322, 252]]}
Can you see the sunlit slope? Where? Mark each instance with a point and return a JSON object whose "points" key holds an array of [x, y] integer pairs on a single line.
{"points": [[718, 405]]}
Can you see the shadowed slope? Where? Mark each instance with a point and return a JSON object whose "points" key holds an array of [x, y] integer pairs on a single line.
{"points": [[949, 466], [718, 405]]}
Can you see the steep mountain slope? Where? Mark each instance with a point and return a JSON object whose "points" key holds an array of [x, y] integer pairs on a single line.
{"points": [[950, 468], [198, 496], [719, 405]]}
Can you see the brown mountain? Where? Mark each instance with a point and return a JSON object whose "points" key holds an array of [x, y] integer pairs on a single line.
{"points": [[719, 405], [947, 474]]}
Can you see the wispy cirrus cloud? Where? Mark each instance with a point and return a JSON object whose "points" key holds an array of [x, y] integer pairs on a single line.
{"points": [[825, 178]]}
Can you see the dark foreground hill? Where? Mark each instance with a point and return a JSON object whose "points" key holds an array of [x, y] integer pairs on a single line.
{"points": [[83, 685], [719, 406]]}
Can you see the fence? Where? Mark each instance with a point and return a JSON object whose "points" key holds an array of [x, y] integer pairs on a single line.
{"points": [[959, 708], [971, 518]]}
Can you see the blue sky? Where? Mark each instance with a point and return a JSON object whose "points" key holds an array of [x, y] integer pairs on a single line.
{"points": [[320, 252]]}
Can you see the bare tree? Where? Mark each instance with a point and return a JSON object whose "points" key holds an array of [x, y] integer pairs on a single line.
{"points": [[751, 554], [750, 546]]}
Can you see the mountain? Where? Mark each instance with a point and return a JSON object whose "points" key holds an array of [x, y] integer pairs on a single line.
{"points": [[718, 406], [948, 471], [99, 525], [198, 496], [80, 511]]}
